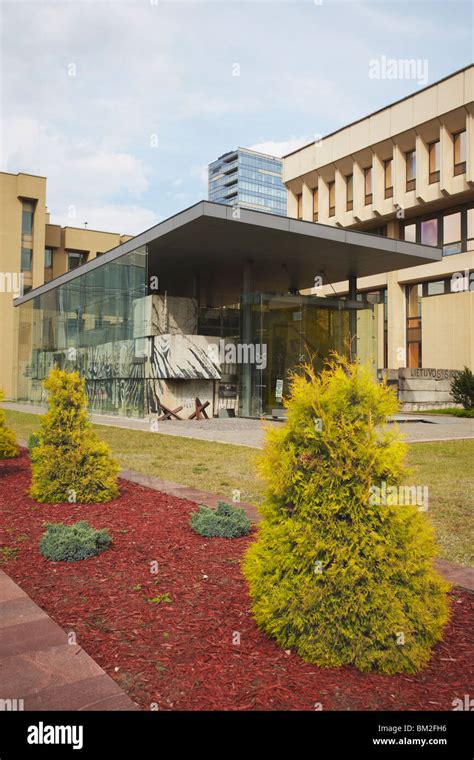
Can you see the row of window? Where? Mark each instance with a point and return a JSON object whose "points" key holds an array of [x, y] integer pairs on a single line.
{"points": [[452, 229], [262, 190], [260, 176], [257, 162], [75, 259], [459, 167], [276, 189], [257, 200]]}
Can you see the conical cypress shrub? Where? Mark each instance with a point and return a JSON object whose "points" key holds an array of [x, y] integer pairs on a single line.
{"points": [[8, 447], [337, 577], [69, 462]]}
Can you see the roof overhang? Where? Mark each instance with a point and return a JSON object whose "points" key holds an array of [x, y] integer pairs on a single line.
{"points": [[211, 238]]}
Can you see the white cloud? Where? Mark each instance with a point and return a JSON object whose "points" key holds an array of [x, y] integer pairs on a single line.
{"points": [[282, 147], [122, 218], [73, 167], [79, 175], [201, 173]]}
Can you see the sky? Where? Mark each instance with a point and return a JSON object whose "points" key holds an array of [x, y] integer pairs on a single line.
{"points": [[122, 104]]}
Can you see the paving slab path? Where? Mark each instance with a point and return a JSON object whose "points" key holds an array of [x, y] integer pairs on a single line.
{"points": [[241, 431], [41, 668]]}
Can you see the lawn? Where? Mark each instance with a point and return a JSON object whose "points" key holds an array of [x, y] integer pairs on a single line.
{"points": [[453, 411], [446, 467], [182, 637]]}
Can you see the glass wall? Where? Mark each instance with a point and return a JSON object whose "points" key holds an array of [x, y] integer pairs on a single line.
{"points": [[295, 329], [95, 324]]}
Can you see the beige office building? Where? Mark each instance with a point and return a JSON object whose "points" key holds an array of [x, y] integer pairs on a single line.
{"points": [[34, 251], [407, 172]]}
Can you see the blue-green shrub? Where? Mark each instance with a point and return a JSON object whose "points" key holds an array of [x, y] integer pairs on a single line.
{"points": [[225, 522], [70, 543]]}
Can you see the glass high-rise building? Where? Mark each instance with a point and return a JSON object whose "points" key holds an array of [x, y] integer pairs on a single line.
{"points": [[248, 179]]}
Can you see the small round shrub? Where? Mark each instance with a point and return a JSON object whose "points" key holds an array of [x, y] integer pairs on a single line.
{"points": [[70, 543], [224, 522]]}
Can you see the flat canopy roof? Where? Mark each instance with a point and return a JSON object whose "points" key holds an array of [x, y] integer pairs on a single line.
{"points": [[207, 238]]}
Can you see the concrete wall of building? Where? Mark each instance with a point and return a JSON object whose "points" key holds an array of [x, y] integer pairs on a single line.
{"points": [[448, 330], [14, 189], [435, 113], [86, 241]]}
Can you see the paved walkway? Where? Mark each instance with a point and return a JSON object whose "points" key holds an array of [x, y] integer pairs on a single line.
{"points": [[40, 667], [249, 432]]}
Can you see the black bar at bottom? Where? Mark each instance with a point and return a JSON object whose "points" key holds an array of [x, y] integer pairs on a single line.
{"points": [[150, 734]]}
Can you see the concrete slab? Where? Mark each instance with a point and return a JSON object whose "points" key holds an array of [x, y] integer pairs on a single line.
{"points": [[39, 666]]}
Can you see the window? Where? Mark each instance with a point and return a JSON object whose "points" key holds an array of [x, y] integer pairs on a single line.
{"points": [[453, 229], [27, 214], [470, 224], [380, 230], [349, 192], [26, 259], [413, 299], [299, 206], [75, 259], [410, 159], [435, 288], [315, 204], [332, 198], [433, 151], [429, 232], [388, 181], [368, 185], [459, 153], [452, 234], [48, 258]]}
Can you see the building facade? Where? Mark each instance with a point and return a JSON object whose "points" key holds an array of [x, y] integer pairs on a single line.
{"points": [[249, 180], [34, 251], [406, 172], [204, 305]]}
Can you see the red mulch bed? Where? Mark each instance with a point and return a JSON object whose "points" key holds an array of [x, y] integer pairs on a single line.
{"points": [[181, 655]]}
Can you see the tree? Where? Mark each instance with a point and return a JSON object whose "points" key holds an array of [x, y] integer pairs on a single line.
{"points": [[8, 447], [69, 462], [462, 388], [336, 573]]}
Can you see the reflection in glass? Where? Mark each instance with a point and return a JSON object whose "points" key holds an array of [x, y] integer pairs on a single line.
{"points": [[429, 232], [451, 233]]}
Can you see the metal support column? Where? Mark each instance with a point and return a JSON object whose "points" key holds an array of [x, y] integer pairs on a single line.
{"points": [[246, 369], [353, 316]]}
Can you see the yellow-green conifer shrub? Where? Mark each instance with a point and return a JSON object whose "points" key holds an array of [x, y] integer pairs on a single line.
{"points": [[70, 463], [8, 447], [332, 575]]}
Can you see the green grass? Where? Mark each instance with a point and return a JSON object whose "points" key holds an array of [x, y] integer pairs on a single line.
{"points": [[215, 467], [446, 467], [454, 411]]}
